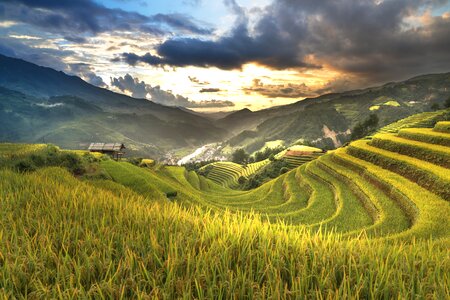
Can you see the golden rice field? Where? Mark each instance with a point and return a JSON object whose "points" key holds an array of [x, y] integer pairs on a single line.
{"points": [[368, 221]]}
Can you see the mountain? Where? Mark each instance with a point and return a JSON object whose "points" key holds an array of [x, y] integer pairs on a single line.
{"points": [[40, 104], [327, 121]]}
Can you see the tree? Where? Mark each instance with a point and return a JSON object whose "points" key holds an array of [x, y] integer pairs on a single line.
{"points": [[434, 106], [242, 180], [364, 128], [240, 156], [447, 103]]}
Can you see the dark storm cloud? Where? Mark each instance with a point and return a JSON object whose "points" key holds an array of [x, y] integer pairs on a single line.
{"points": [[181, 22], [140, 89], [288, 90], [76, 39], [372, 39], [229, 52], [87, 16]]}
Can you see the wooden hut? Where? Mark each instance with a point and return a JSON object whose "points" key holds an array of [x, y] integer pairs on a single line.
{"points": [[113, 149]]}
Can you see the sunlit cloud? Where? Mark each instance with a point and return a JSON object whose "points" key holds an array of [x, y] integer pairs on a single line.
{"points": [[6, 24]]}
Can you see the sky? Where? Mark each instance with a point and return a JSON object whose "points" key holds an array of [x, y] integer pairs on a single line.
{"points": [[221, 55]]}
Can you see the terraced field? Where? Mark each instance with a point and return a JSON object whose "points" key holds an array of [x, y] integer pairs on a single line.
{"points": [[228, 173], [426, 119], [393, 186], [371, 220]]}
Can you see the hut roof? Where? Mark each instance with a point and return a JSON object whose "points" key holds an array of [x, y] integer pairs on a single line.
{"points": [[106, 146]]}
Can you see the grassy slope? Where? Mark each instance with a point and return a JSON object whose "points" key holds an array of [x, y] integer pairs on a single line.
{"points": [[108, 242]]}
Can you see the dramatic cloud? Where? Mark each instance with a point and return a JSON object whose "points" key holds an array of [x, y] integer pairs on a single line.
{"points": [[70, 18], [33, 51], [210, 90], [139, 89], [180, 22], [288, 90], [374, 39]]}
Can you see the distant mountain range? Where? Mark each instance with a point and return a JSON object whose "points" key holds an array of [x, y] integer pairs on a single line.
{"points": [[39, 104], [326, 121]]}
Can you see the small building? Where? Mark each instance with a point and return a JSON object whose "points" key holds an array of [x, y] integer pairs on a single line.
{"points": [[115, 150]]}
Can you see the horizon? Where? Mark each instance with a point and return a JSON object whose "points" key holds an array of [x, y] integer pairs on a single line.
{"points": [[213, 56]]}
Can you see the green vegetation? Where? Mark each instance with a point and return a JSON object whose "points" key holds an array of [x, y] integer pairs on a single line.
{"points": [[240, 156], [370, 220], [364, 128], [266, 153]]}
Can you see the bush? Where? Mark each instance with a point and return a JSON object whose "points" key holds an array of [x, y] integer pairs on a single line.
{"points": [[88, 157], [71, 162], [242, 180], [283, 170], [171, 194], [25, 165], [135, 160]]}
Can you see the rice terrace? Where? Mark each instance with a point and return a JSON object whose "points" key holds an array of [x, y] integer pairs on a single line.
{"points": [[309, 161]]}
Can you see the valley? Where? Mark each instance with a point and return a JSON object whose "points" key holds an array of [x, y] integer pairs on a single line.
{"points": [[42, 105]]}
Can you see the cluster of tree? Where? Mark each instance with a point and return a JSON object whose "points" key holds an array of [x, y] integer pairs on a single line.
{"points": [[267, 153], [272, 170], [205, 171], [364, 128], [195, 166], [436, 106], [240, 156]]}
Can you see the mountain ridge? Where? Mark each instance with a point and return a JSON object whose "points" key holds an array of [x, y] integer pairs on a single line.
{"points": [[154, 129]]}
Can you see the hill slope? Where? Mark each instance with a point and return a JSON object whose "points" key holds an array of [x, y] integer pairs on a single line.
{"points": [[326, 121], [41, 104]]}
